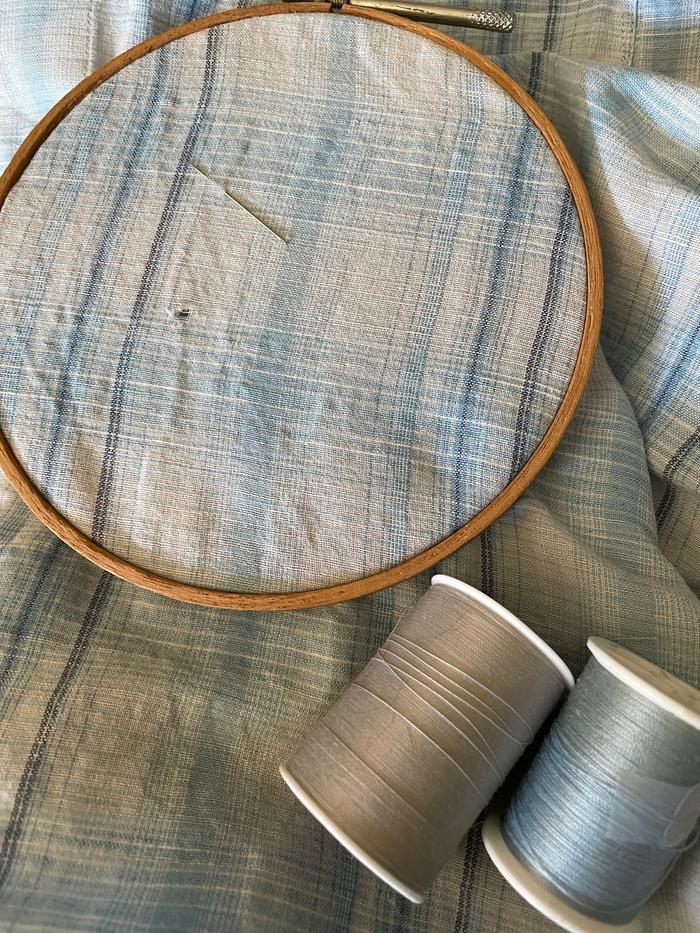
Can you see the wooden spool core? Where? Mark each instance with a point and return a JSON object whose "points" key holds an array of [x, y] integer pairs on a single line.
{"points": [[295, 305]]}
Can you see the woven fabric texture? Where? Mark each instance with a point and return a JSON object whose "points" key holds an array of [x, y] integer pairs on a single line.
{"points": [[140, 738], [320, 389]]}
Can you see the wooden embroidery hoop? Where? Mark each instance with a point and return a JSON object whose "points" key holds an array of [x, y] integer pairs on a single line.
{"points": [[204, 596]]}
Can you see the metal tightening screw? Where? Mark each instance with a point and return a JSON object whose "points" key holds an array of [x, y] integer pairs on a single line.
{"points": [[492, 20]]}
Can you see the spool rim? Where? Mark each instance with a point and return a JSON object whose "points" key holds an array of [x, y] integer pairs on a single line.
{"points": [[536, 893], [648, 679], [347, 841], [443, 579]]}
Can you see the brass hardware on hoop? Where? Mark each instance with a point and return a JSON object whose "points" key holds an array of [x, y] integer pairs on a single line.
{"points": [[492, 20]]}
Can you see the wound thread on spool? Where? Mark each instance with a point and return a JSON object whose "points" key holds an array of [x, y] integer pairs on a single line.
{"points": [[403, 763], [611, 799]]}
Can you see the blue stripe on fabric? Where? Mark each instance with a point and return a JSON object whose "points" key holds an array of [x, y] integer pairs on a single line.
{"points": [[430, 303], [549, 25], [25, 63], [683, 215], [471, 865], [688, 356], [281, 349], [487, 577], [466, 402], [37, 753], [568, 221], [668, 500], [26, 612], [666, 505], [486, 538], [653, 125], [104, 489], [675, 250], [69, 380], [52, 241], [12, 520]]}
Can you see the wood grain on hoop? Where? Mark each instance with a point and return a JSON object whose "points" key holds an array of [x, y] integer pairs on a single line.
{"points": [[46, 512]]}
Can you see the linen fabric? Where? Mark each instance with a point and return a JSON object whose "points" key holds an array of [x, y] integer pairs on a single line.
{"points": [[140, 738], [330, 373]]}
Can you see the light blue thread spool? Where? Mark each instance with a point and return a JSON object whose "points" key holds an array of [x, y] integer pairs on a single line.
{"points": [[611, 799]]}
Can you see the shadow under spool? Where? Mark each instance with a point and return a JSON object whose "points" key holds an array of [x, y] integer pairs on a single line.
{"points": [[403, 763], [610, 800]]}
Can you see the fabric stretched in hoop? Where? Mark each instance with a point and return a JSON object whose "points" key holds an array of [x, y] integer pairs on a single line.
{"points": [[140, 738]]}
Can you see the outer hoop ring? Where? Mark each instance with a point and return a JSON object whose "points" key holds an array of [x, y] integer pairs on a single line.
{"points": [[363, 586]]}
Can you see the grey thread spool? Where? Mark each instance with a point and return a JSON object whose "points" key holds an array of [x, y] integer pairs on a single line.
{"points": [[403, 763], [610, 800]]}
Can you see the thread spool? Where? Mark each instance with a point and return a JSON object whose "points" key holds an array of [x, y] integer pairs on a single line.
{"points": [[611, 799], [403, 763]]}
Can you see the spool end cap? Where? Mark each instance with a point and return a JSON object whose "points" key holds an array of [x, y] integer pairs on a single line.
{"points": [[342, 837], [535, 892]]}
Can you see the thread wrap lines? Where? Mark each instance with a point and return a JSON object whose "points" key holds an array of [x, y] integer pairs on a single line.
{"points": [[610, 801], [409, 756]]}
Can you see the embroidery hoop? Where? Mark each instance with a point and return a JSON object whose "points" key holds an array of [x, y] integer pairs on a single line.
{"points": [[427, 558]]}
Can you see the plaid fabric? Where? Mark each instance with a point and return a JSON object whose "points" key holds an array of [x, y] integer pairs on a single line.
{"points": [[140, 738], [219, 406]]}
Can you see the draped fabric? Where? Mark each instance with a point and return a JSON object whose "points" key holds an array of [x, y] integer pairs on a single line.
{"points": [[140, 738]]}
